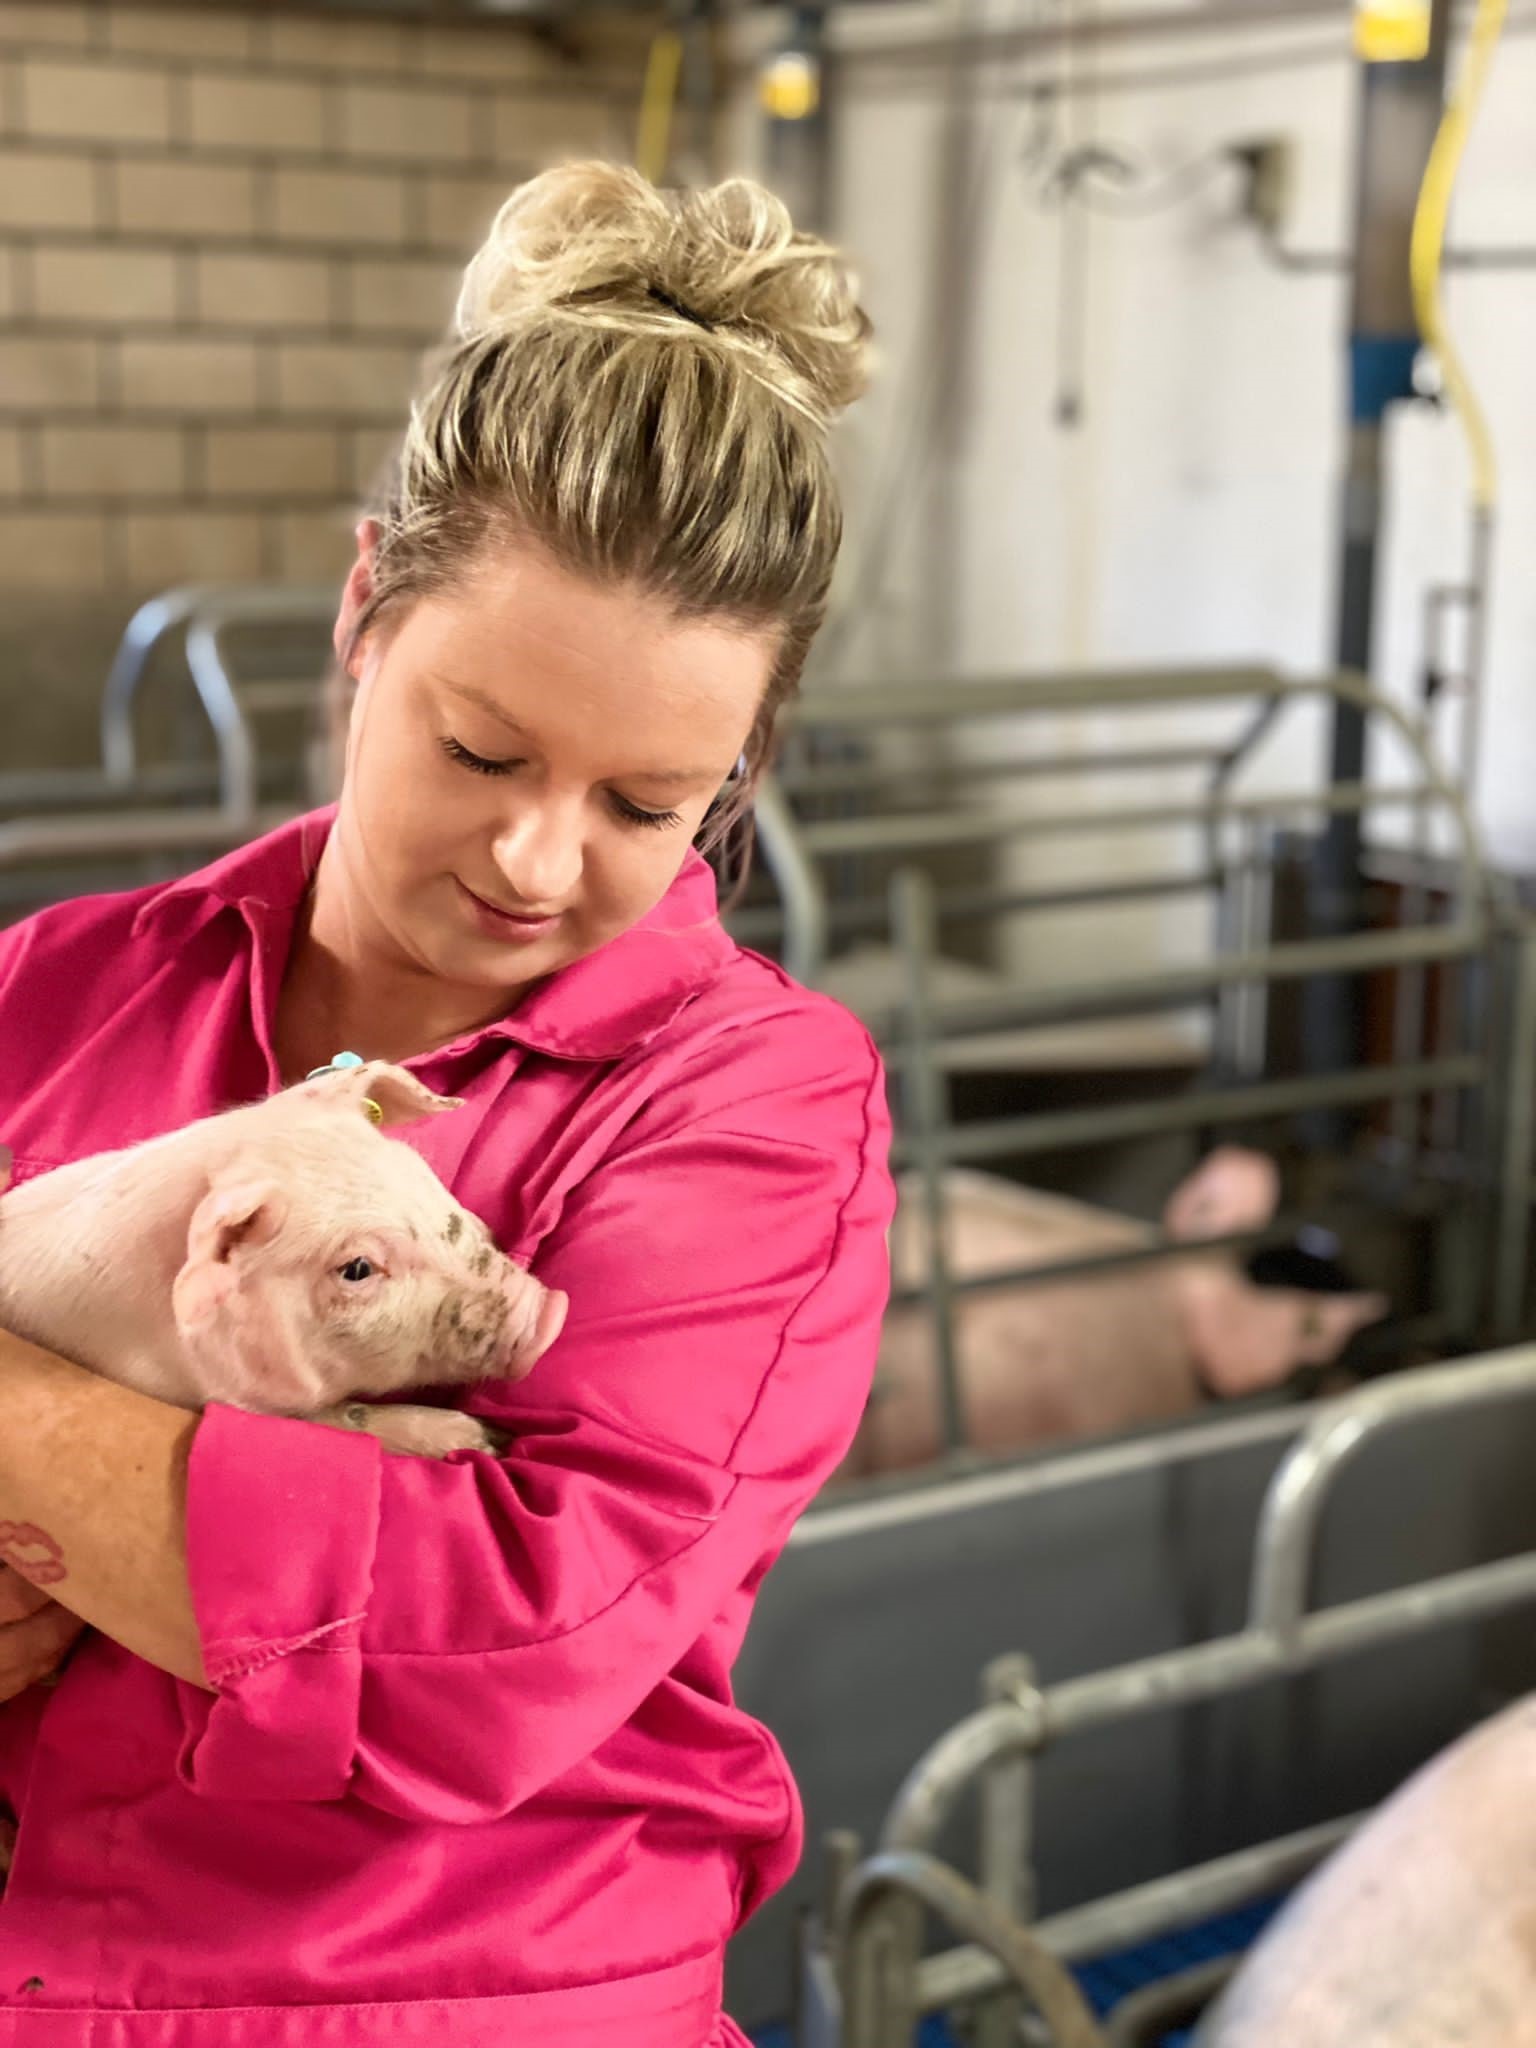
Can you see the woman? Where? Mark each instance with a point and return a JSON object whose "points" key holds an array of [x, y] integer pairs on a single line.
{"points": [[366, 1748]]}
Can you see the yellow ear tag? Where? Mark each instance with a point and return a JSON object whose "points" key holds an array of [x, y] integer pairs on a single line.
{"points": [[372, 1111]]}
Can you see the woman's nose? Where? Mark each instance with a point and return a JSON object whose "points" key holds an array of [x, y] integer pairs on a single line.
{"points": [[540, 854]]}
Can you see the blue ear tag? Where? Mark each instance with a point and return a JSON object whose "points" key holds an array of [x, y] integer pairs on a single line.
{"points": [[338, 1065], [342, 1064]]}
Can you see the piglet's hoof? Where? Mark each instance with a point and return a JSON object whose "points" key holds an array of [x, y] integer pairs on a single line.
{"points": [[421, 1432]]}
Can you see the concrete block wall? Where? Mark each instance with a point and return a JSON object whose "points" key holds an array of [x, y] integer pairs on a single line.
{"points": [[226, 236]]}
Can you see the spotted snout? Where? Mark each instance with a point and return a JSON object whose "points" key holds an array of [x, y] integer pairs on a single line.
{"points": [[472, 1327]]}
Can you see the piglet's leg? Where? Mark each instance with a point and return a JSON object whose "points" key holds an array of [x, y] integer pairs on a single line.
{"points": [[7, 1845], [423, 1432]]}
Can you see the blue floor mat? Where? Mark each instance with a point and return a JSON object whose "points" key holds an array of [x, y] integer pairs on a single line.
{"points": [[1108, 1979]]}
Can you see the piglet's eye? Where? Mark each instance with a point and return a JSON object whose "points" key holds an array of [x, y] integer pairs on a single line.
{"points": [[357, 1269]]}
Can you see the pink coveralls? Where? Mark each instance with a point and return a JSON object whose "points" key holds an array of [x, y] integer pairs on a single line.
{"points": [[472, 1775]]}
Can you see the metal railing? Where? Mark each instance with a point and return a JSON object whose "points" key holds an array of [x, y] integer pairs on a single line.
{"points": [[922, 707], [133, 819], [865, 1982], [206, 613], [928, 1036]]}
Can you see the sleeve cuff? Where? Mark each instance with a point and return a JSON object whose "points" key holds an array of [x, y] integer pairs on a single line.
{"points": [[282, 1528]]}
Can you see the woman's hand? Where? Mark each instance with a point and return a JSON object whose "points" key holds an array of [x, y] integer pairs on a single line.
{"points": [[35, 1634]]}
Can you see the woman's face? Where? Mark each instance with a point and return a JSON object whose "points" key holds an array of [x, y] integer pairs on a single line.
{"points": [[529, 758]]}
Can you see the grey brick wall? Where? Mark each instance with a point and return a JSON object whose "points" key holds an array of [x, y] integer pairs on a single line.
{"points": [[225, 238]]}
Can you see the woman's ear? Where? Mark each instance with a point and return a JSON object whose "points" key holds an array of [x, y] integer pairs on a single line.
{"points": [[356, 592]]}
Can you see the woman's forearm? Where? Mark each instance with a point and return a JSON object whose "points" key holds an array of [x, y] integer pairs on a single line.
{"points": [[93, 1502]]}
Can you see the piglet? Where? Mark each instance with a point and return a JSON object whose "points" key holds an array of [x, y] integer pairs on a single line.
{"points": [[285, 1257]]}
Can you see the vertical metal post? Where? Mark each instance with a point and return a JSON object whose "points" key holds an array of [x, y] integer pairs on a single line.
{"points": [[793, 90], [798, 880], [1007, 1873], [841, 1849], [817, 2007], [914, 926], [1400, 107], [963, 161], [1514, 1221], [1451, 1111], [878, 1974]]}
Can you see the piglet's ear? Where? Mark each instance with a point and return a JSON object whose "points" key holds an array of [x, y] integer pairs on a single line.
{"points": [[233, 1216], [401, 1098]]}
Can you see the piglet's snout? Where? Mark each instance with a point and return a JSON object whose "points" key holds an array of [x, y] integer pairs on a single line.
{"points": [[535, 1318]]}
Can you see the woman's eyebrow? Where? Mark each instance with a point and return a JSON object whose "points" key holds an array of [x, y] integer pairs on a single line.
{"points": [[486, 703], [679, 777]]}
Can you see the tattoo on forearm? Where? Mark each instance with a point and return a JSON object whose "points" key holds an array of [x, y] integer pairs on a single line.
{"points": [[32, 1553]]}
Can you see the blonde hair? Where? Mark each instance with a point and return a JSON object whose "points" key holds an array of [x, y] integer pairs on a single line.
{"points": [[641, 385]]}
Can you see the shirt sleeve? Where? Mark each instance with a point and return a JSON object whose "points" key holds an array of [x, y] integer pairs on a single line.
{"points": [[443, 1639]]}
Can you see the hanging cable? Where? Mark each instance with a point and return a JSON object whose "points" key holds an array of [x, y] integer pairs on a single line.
{"points": [[658, 103], [1425, 261], [1427, 245]]}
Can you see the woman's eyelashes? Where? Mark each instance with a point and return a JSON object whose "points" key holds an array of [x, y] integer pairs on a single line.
{"points": [[632, 814], [477, 762]]}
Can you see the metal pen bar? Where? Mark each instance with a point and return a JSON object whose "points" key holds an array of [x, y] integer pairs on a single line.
{"points": [[931, 831], [280, 697], [74, 789], [1156, 1450], [1410, 987], [112, 832], [237, 753], [1025, 1961], [802, 891], [1005, 1820], [863, 916], [1073, 1002], [24, 890], [1004, 1848], [1144, 1911], [1178, 1678], [153, 620], [211, 605], [833, 780], [1517, 1141], [942, 703], [1006, 1868], [913, 923], [1157, 1250], [1213, 1670], [1278, 1639], [1146, 2017], [953, 700], [1018, 1137], [857, 707], [1293, 1501]]}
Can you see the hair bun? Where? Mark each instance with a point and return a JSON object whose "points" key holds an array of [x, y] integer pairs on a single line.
{"points": [[598, 241]]}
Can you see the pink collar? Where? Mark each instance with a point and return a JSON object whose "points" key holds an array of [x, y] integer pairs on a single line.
{"points": [[598, 1008]]}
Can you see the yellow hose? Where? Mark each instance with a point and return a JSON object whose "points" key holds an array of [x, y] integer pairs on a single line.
{"points": [[1428, 244], [658, 97]]}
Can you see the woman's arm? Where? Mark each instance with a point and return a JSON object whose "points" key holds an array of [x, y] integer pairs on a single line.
{"points": [[443, 1640], [93, 1503]]}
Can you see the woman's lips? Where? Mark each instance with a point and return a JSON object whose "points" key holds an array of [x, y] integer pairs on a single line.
{"points": [[507, 925]]}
